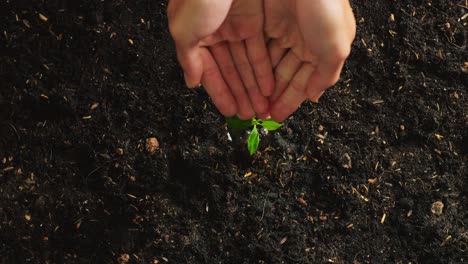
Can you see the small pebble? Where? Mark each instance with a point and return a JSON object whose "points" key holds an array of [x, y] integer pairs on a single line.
{"points": [[119, 151], [283, 240], [437, 208], [302, 201], [151, 145], [124, 258], [43, 18]]}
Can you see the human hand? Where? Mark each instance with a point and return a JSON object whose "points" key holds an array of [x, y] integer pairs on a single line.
{"points": [[220, 44], [310, 41]]}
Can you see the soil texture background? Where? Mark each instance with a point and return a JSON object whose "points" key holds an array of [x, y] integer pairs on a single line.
{"points": [[360, 177]]}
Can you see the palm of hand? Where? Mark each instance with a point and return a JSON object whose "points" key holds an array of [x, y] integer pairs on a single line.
{"points": [[240, 52], [283, 28], [243, 21]]}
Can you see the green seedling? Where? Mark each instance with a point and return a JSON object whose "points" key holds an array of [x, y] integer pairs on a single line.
{"points": [[254, 137]]}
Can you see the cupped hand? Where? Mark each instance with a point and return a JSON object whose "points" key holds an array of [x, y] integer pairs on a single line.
{"points": [[310, 40], [221, 45]]}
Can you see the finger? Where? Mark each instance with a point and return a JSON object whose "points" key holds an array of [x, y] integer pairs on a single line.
{"points": [[284, 73], [223, 58], [293, 96], [239, 54], [315, 97], [276, 52], [264, 116], [260, 61], [216, 87], [192, 65], [326, 75]]}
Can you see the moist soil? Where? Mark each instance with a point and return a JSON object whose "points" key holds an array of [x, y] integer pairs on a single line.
{"points": [[359, 177]]}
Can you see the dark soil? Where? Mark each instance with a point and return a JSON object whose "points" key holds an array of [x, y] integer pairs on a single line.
{"points": [[349, 180]]}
